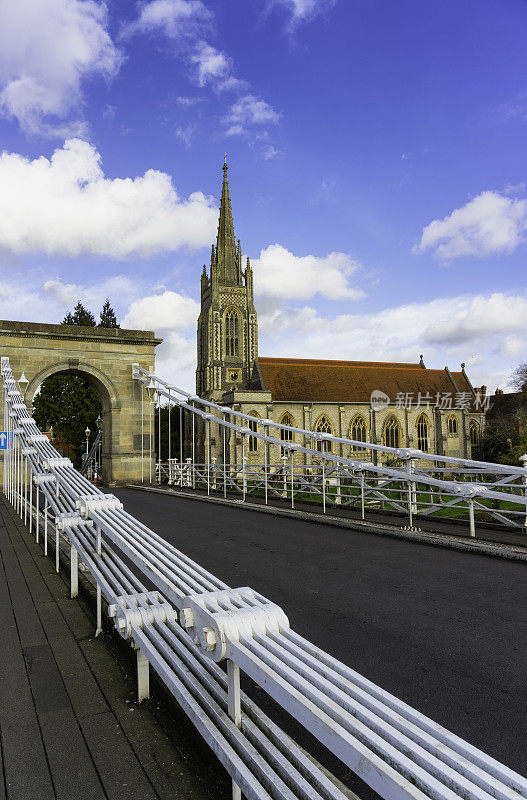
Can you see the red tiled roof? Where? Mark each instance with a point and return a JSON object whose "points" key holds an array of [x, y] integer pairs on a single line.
{"points": [[318, 380]]}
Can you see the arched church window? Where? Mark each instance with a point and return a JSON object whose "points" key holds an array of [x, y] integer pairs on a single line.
{"points": [[392, 432], [358, 433], [452, 425], [423, 433], [253, 425], [285, 434], [324, 426], [232, 325]]}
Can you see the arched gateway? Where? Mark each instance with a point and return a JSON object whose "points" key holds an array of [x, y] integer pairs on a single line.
{"points": [[104, 356]]}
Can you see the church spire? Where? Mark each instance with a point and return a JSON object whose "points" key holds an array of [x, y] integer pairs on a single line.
{"points": [[227, 263]]}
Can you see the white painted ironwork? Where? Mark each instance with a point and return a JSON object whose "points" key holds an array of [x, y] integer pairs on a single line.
{"points": [[191, 620], [403, 480]]}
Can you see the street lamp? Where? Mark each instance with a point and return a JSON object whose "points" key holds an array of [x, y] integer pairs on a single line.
{"points": [[98, 422], [151, 393], [151, 390], [23, 383], [87, 434]]}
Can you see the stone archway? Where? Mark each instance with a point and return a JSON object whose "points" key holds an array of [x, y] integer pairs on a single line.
{"points": [[104, 356]]}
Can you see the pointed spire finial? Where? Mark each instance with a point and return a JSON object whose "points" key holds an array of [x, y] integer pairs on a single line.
{"points": [[225, 165], [227, 257]]}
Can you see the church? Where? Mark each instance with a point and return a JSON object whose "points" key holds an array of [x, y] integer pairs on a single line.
{"points": [[386, 403]]}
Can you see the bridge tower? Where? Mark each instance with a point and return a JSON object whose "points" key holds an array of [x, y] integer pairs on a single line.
{"points": [[227, 325], [104, 356]]}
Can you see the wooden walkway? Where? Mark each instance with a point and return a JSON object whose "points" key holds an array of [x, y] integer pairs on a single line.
{"points": [[69, 724]]}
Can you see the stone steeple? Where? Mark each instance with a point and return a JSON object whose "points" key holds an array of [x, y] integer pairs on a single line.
{"points": [[226, 263], [227, 325]]}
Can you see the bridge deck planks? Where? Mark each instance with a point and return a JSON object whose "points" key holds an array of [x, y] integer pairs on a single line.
{"points": [[67, 729]]}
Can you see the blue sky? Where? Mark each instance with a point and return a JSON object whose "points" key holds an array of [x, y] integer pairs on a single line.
{"points": [[377, 170]]}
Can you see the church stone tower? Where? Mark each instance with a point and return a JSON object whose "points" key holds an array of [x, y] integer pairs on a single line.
{"points": [[227, 325]]}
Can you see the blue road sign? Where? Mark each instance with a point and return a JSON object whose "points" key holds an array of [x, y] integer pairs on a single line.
{"points": [[6, 440]]}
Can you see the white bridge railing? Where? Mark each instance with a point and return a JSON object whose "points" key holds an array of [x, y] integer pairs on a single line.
{"points": [[192, 624], [412, 482]]}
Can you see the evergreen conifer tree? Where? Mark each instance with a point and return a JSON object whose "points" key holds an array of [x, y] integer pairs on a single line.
{"points": [[107, 316], [80, 316]]}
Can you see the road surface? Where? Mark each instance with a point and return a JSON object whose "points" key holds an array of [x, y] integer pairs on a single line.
{"points": [[441, 629]]}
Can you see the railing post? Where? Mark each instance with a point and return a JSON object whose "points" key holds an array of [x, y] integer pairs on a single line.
{"points": [[159, 439], [214, 459], [181, 434], [37, 514], [207, 424], [414, 487], [19, 476], [338, 499], [292, 481], [224, 437], [25, 494], [244, 469], [190, 473], [46, 526], [409, 470], [74, 572], [284, 490], [193, 446], [362, 493], [471, 517], [523, 460], [30, 503], [244, 476], [142, 434], [170, 435], [234, 708], [143, 677], [150, 447], [323, 450], [266, 445], [98, 629]]}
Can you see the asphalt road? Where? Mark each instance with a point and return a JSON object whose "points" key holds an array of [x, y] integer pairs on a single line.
{"points": [[443, 630]]}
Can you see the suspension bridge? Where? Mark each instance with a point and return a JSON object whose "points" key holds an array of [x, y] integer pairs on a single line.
{"points": [[302, 723]]}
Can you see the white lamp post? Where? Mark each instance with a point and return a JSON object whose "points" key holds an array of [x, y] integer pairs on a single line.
{"points": [[23, 383]]}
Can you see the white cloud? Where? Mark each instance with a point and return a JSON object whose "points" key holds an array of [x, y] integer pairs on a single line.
{"points": [[279, 273], [173, 317], [184, 22], [270, 152], [65, 206], [138, 306], [401, 333], [302, 10], [513, 347], [211, 64], [185, 134], [470, 318], [246, 113], [175, 18], [119, 288], [165, 311], [490, 223], [47, 49], [188, 102]]}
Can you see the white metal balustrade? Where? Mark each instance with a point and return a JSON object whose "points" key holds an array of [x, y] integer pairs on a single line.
{"points": [[412, 482], [191, 621]]}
